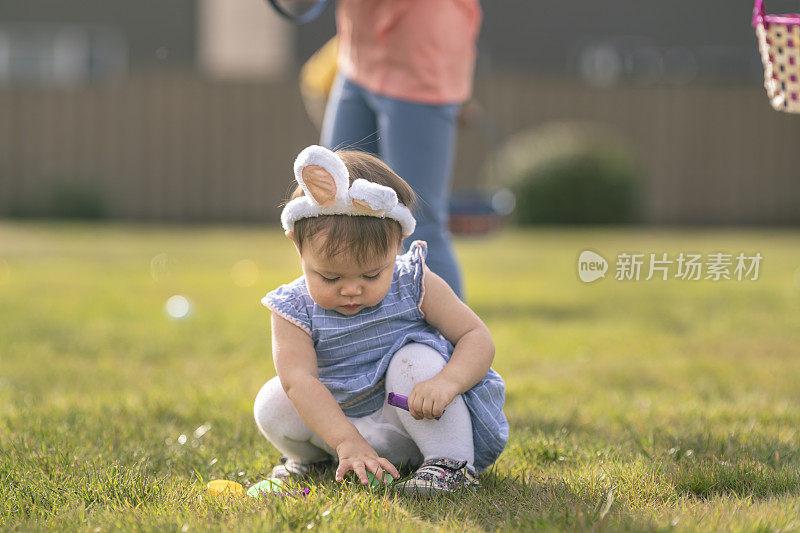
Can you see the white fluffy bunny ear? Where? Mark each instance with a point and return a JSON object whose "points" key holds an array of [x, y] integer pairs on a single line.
{"points": [[326, 183], [372, 197], [322, 174]]}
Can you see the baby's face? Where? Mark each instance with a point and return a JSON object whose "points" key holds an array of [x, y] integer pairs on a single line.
{"points": [[341, 284]]}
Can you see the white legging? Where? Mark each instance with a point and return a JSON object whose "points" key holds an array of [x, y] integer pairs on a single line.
{"points": [[392, 432]]}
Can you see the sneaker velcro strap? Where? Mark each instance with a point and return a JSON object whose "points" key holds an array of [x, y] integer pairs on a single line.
{"points": [[444, 462]]}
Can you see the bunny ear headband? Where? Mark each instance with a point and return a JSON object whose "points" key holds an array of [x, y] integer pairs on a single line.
{"points": [[326, 183]]}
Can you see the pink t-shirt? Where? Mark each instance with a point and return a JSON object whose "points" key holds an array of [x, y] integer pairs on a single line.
{"points": [[417, 50]]}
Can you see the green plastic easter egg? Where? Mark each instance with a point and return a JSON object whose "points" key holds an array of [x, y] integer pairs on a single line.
{"points": [[375, 483], [267, 486]]}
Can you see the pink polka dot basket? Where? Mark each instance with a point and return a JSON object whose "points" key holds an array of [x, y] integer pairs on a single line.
{"points": [[779, 44]]}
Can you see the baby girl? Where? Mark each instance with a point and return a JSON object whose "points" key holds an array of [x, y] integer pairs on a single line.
{"points": [[363, 322]]}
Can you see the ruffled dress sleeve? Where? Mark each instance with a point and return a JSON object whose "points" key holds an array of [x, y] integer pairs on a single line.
{"points": [[289, 302], [410, 270]]}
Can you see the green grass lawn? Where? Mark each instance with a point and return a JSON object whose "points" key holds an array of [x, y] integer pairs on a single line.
{"points": [[642, 405]]}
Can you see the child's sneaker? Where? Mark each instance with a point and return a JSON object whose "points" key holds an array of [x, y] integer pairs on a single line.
{"points": [[437, 476], [290, 468]]}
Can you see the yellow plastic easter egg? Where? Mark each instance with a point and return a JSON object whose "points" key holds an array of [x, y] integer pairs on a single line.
{"points": [[223, 486]]}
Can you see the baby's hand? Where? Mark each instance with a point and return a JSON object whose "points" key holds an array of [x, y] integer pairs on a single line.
{"points": [[430, 397], [357, 455]]}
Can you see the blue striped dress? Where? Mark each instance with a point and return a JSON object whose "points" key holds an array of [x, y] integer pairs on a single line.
{"points": [[354, 351]]}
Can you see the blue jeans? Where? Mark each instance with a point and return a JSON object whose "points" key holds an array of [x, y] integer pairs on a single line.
{"points": [[418, 142]]}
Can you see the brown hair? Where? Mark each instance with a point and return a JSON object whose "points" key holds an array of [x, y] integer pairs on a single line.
{"points": [[361, 236]]}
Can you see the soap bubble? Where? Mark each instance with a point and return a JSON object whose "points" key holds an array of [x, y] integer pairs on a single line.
{"points": [[503, 202], [202, 430], [245, 273], [601, 65], [178, 307]]}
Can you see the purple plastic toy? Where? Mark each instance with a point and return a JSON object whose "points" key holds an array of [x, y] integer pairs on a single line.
{"points": [[398, 400]]}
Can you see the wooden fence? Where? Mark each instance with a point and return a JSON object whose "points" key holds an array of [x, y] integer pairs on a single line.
{"points": [[178, 147]]}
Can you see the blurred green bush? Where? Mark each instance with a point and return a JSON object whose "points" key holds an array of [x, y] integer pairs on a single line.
{"points": [[76, 199], [570, 173], [63, 197]]}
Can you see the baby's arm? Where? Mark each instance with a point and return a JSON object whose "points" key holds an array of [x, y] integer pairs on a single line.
{"points": [[471, 359], [296, 364]]}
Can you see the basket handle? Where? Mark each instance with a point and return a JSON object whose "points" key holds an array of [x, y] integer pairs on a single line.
{"points": [[758, 12]]}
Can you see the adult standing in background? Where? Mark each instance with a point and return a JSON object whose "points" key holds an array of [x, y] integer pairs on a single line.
{"points": [[405, 67]]}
